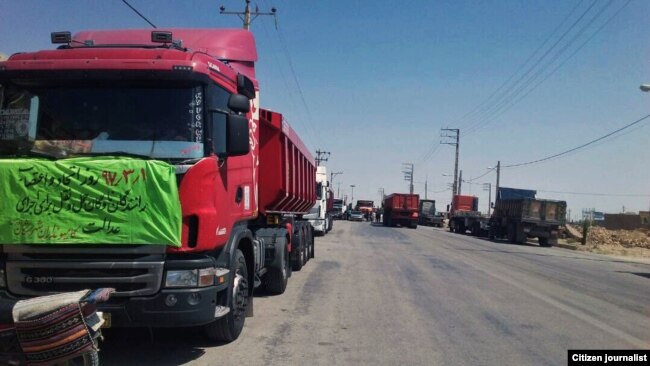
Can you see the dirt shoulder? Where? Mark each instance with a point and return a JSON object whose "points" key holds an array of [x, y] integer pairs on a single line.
{"points": [[627, 243]]}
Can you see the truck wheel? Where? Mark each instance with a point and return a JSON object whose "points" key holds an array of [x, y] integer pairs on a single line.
{"points": [[413, 226], [229, 327], [276, 279], [312, 244], [299, 245], [305, 243], [544, 242], [512, 233]]}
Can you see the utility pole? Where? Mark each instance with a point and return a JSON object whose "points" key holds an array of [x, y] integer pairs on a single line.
{"points": [[407, 169], [488, 187], [425, 187], [455, 141], [325, 156], [381, 192], [332, 175], [352, 199], [338, 192], [498, 174], [460, 181], [245, 16]]}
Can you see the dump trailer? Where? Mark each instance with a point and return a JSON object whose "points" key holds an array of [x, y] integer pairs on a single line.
{"points": [[464, 215], [402, 209], [140, 160], [518, 215], [427, 212]]}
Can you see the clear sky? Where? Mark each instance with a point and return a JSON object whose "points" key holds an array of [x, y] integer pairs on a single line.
{"points": [[376, 80]]}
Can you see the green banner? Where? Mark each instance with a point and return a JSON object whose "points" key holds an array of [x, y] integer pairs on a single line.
{"points": [[89, 200]]}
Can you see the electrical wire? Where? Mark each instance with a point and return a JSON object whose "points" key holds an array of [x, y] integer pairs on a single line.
{"points": [[557, 67], [598, 194], [580, 146], [521, 67], [516, 96], [140, 14]]}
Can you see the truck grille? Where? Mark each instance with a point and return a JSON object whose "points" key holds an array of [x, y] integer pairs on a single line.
{"points": [[41, 270]]}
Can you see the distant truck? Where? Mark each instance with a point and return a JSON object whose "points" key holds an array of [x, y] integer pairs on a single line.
{"points": [[319, 215], [338, 209], [427, 212], [366, 207], [401, 208], [518, 215], [464, 215]]}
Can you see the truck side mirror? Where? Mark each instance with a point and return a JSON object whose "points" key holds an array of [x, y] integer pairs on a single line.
{"points": [[239, 103], [237, 135]]}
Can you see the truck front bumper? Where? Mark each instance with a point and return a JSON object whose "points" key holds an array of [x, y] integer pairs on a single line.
{"points": [[318, 225], [168, 308]]}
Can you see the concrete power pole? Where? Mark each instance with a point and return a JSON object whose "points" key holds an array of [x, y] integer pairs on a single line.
{"points": [[460, 182], [332, 175], [455, 141], [247, 16], [321, 156], [496, 195], [407, 169]]}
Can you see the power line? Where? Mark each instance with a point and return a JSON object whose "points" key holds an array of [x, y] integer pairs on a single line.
{"points": [[557, 67], [140, 14], [485, 101], [520, 84], [513, 98], [599, 194], [581, 146], [482, 175]]}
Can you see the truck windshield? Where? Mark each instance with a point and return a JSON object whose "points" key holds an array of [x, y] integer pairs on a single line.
{"points": [[60, 121]]}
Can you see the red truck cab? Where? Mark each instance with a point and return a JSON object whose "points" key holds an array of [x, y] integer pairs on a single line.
{"points": [[183, 97], [402, 209]]}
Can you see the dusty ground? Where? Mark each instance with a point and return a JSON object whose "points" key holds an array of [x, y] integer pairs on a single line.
{"points": [[632, 243]]}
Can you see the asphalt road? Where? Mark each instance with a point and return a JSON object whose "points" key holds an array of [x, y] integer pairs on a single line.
{"points": [[377, 295]]}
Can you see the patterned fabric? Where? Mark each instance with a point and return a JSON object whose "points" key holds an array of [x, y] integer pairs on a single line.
{"points": [[56, 336]]}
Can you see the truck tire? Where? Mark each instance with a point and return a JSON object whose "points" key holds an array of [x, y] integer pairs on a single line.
{"points": [[413, 226], [276, 279], [312, 244], [298, 244], [512, 233], [544, 242], [305, 243], [229, 327]]}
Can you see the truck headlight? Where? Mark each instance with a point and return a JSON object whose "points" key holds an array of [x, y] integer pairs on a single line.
{"points": [[192, 277], [182, 278]]}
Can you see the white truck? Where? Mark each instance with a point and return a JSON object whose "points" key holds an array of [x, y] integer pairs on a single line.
{"points": [[319, 217]]}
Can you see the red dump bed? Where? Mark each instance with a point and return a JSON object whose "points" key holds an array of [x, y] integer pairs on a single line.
{"points": [[464, 203], [287, 170], [403, 201]]}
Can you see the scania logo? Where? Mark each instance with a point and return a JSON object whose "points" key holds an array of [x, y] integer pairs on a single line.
{"points": [[38, 279]]}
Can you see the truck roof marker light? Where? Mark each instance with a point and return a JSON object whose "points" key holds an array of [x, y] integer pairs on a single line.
{"points": [[161, 37], [61, 37], [182, 68]]}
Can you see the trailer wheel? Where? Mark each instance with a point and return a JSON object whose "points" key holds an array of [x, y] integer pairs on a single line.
{"points": [[305, 243], [311, 243], [229, 327], [544, 242], [299, 244], [512, 233], [276, 279]]}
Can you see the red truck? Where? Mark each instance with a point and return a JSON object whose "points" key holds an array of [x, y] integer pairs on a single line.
{"points": [[402, 209], [141, 160], [464, 215]]}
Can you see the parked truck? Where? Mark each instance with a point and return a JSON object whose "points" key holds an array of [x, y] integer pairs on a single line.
{"points": [[319, 216], [141, 160], [464, 215], [427, 212], [338, 209], [401, 209], [366, 207], [518, 215]]}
